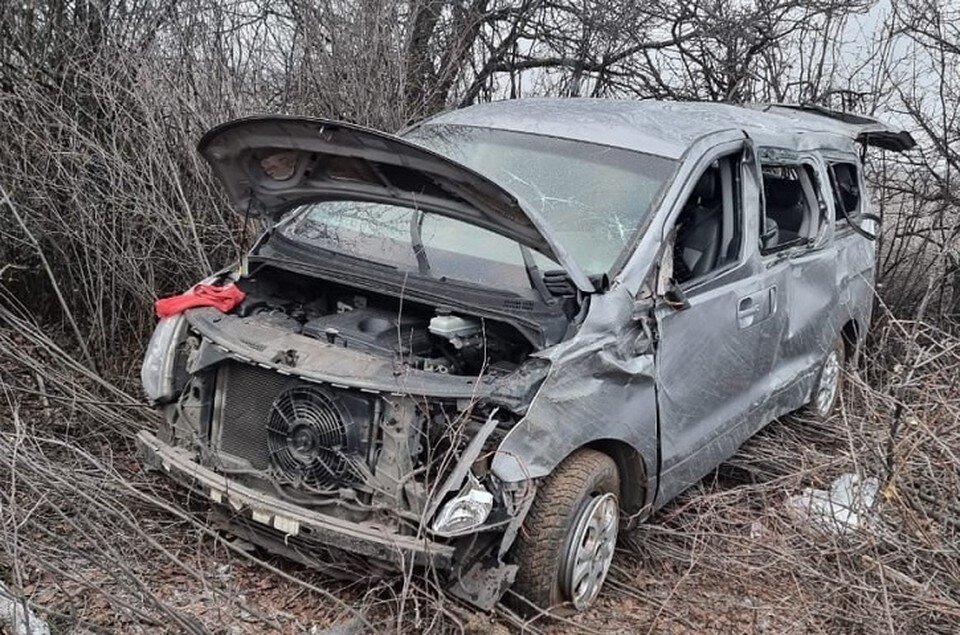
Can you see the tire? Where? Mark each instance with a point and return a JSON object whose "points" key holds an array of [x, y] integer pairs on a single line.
{"points": [[579, 490], [823, 399]]}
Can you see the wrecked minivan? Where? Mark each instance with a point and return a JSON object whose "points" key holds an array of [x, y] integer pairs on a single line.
{"points": [[484, 346]]}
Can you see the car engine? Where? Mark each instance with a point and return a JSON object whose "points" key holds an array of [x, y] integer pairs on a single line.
{"points": [[359, 453], [432, 339]]}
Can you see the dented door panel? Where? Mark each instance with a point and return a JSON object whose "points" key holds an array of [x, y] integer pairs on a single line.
{"points": [[855, 279], [811, 305], [769, 373], [705, 378]]}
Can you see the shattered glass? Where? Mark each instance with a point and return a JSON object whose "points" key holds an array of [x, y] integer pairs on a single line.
{"points": [[381, 233], [594, 197]]}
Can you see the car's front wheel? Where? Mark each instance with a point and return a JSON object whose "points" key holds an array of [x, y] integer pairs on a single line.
{"points": [[566, 545]]}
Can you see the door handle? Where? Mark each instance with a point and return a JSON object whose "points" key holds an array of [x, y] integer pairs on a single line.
{"points": [[747, 309], [747, 306]]}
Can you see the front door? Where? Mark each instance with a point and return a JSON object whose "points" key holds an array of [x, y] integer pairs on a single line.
{"points": [[715, 341]]}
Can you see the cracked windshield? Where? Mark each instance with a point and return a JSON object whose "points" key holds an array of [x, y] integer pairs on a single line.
{"points": [[591, 197]]}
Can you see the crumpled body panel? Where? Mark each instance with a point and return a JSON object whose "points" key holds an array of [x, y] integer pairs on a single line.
{"points": [[598, 389]]}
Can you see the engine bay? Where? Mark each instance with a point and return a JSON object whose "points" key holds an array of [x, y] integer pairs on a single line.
{"points": [[433, 339]]}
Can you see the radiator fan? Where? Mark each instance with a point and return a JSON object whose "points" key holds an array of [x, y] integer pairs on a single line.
{"points": [[308, 439]]}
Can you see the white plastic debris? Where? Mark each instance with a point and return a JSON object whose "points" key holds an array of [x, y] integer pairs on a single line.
{"points": [[18, 617], [840, 509]]}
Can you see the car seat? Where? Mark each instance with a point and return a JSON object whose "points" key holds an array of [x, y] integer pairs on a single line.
{"points": [[699, 229], [785, 206]]}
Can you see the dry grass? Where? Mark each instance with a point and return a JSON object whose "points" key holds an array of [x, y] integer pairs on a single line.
{"points": [[104, 204], [94, 543]]}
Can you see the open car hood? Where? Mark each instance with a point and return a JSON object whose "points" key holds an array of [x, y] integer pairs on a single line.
{"points": [[861, 128], [270, 165]]}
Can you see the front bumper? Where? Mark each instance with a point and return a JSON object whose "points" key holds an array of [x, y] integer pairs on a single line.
{"points": [[280, 526]]}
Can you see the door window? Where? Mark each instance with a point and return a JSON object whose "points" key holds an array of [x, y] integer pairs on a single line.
{"points": [[845, 182], [708, 228], [794, 207]]}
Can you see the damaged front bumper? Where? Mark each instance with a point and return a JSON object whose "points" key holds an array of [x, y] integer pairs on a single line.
{"points": [[288, 520], [308, 536]]}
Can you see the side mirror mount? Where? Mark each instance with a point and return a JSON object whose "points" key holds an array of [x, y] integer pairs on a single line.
{"points": [[667, 287], [675, 298], [642, 308], [642, 316]]}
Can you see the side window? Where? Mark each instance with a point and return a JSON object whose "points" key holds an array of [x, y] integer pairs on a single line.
{"points": [[845, 183], [708, 229], [794, 206]]}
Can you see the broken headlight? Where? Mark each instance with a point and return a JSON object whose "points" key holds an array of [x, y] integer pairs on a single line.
{"points": [[465, 511], [159, 360]]}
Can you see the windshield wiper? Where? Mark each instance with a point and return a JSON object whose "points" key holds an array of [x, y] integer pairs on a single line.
{"points": [[416, 240], [533, 274]]}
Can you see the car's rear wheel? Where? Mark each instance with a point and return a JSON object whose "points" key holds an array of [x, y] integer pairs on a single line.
{"points": [[566, 545], [826, 390]]}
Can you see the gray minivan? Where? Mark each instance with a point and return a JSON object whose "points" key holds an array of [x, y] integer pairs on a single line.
{"points": [[485, 345]]}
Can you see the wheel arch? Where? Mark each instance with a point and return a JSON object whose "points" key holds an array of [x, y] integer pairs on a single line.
{"points": [[851, 333], [633, 472]]}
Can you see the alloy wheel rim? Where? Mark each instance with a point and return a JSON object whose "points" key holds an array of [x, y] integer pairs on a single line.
{"points": [[588, 557], [829, 379]]}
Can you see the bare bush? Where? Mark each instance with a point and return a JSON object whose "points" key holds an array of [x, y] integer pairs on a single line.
{"points": [[921, 264], [104, 205]]}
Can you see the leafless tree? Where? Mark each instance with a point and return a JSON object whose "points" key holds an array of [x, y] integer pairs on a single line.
{"points": [[104, 204]]}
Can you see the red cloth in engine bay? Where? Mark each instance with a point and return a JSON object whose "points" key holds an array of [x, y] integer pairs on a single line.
{"points": [[223, 298]]}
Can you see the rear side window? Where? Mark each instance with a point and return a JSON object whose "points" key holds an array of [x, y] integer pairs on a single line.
{"points": [[847, 197], [794, 208]]}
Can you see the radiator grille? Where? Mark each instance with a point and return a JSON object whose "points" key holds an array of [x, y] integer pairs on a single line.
{"points": [[317, 433], [246, 396]]}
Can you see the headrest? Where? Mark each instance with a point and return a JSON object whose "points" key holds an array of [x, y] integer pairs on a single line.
{"points": [[780, 192], [706, 187]]}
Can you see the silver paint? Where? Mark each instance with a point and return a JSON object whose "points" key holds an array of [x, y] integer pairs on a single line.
{"points": [[669, 393], [655, 127], [585, 564]]}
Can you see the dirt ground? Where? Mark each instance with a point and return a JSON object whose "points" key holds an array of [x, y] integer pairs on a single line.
{"points": [[96, 544], [219, 590]]}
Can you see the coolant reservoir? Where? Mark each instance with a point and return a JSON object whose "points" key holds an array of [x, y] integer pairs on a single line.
{"points": [[453, 326]]}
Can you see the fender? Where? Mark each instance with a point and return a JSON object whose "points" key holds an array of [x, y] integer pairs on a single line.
{"points": [[598, 392]]}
